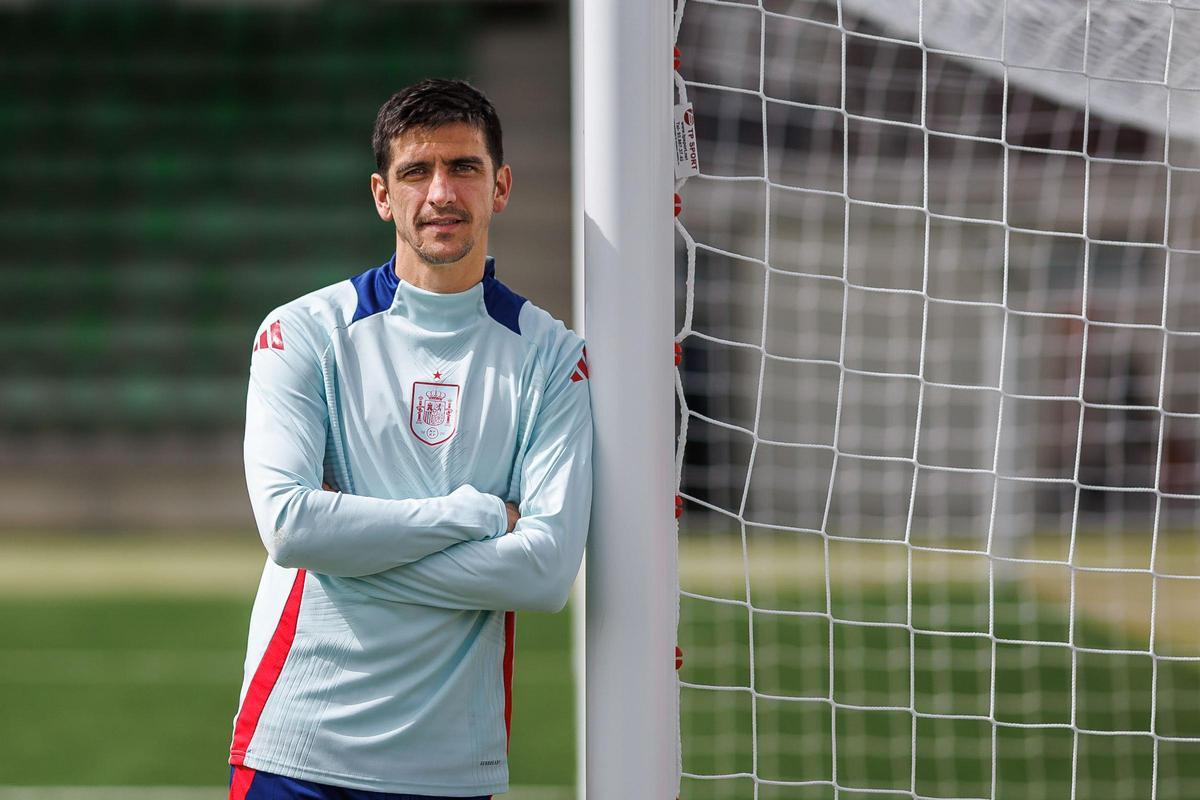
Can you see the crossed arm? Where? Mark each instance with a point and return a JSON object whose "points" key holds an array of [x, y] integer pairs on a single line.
{"points": [[514, 511], [466, 550]]}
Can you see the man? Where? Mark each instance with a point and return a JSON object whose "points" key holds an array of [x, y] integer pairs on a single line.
{"points": [[450, 419]]}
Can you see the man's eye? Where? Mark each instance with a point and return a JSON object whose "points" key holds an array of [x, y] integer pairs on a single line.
{"points": [[415, 172], [464, 168]]}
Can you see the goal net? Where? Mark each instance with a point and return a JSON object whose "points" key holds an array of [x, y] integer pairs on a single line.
{"points": [[939, 399]]}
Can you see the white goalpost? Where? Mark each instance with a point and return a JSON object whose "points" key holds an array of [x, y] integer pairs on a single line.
{"points": [[936, 299], [631, 693]]}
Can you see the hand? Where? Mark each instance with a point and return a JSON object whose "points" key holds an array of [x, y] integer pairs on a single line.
{"points": [[328, 488], [514, 514]]}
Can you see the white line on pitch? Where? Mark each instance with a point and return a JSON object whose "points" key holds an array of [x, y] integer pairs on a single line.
{"points": [[111, 793], [205, 793]]}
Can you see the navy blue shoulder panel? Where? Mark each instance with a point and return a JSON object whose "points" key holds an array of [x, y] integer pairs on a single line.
{"points": [[503, 304], [376, 289]]}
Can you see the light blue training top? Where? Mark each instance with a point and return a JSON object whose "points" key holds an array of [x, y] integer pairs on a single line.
{"points": [[379, 649]]}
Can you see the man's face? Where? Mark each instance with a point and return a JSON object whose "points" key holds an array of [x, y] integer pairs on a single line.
{"points": [[441, 191]]}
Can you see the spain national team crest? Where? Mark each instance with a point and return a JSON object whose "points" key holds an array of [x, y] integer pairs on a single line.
{"points": [[434, 415]]}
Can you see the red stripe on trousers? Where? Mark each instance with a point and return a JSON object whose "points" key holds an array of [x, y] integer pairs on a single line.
{"points": [[510, 645], [267, 673], [240, 785]]}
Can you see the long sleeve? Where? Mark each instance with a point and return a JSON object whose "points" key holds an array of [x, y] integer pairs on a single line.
{"points": [[532, 567], [326, 532]]}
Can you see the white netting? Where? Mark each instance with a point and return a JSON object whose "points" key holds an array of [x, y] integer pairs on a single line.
{"points": [[940, 400]]}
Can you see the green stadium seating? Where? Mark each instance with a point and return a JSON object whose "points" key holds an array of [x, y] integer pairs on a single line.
{"points": [[171, 172]]}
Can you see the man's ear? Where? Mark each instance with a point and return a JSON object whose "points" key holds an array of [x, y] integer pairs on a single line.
{"points": [[379, 193], [503, 189]]}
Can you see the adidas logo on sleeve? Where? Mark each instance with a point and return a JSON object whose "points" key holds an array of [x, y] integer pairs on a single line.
{"points": [[270, 337]]}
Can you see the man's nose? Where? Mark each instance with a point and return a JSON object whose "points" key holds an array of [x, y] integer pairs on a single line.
{"points": [[441, 188]]}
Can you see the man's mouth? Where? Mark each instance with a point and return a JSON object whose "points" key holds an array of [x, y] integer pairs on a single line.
{"points": [[442, 223]]}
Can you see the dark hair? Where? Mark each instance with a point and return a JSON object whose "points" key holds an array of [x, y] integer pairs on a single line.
{"points": [[432, 103]]}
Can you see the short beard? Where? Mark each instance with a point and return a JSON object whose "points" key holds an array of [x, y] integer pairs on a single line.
{"points": [[442, 260]]}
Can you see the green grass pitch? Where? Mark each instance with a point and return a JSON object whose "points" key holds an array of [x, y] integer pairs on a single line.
{"points": [[105, 682], [876, 671], [121, 660]]}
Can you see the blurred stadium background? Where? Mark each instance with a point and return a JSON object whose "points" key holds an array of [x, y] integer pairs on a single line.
{"points": [[171, 171]]}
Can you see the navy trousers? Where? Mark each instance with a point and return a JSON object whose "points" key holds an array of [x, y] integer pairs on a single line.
{"points": [[249, 784]]}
